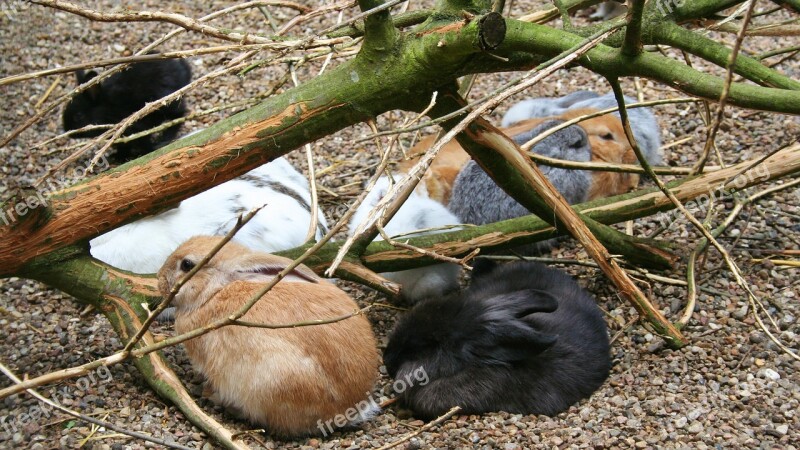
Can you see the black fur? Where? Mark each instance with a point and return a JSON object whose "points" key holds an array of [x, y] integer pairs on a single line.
{"points": [[523, 338], [126, 92]]}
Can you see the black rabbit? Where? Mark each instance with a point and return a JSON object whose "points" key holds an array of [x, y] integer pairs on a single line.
{"points": [[523, 338], [126, 92]]}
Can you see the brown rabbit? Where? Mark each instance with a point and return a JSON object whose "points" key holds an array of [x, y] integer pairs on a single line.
{"points": [[606, 137], [289, 380]]}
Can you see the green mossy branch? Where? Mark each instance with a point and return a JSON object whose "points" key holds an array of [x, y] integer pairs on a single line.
{"points": [[540, 40], [668, 33]]}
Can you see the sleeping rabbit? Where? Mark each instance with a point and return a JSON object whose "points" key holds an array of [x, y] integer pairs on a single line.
{"points": [[643, 122], [124, 93], [417, 213], [144, 245], [523, 338], [289, 380]]}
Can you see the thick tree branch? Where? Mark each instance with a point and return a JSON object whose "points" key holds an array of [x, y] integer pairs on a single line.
{"points": [[632, 45], [534, 39], [668, 33]]}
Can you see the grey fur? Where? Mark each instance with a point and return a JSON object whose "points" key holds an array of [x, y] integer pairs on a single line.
{"points": [[476, 199], [643, 121], [544, 106]]}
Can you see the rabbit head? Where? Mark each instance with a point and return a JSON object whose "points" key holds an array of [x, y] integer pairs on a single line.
{"points": [[233, 262], [643, 124], [609, 145], [446, 335], [125, 92]]}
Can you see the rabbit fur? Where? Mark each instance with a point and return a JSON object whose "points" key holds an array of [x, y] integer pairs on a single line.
{"points": [[477, 200], [418, 212], [608, 143], [609, 10], [643, 122], [523, 338], [288, 380], [144, 245], [124, 93], [606, 136]]}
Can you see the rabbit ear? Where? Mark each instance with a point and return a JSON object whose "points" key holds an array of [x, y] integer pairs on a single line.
{"points": [[519, 304], [507, 336], [82, 77], [271, 269], [524, 343]]}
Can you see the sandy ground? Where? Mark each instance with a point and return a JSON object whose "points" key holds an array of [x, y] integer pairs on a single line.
{"points": [[730, 388]]}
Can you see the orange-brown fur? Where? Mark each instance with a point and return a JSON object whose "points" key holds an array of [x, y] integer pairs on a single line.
{"points": [[606, 136], [285, 379]]}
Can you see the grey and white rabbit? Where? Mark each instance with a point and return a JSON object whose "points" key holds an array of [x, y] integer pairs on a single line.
{"points": [[523, 338], [478, 200], [417, 213], [124, 93], [144, 245], [643, 122], [290, 380]]}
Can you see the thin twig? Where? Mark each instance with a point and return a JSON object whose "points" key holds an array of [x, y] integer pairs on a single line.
{"points": [[424, 428], [723, 98], [102, 423], [755, 303]]}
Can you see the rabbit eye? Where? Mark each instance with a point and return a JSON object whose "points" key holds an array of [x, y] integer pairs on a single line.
{"points": [[607, 136], [187, 265]]}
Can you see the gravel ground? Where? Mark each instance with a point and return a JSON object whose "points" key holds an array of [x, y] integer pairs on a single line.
{"points": [[730, 388]]}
